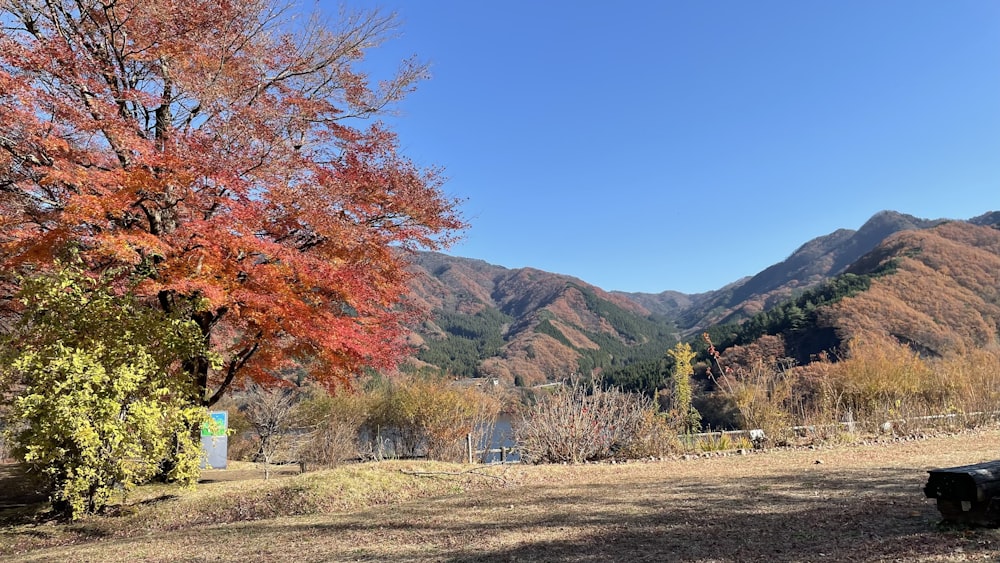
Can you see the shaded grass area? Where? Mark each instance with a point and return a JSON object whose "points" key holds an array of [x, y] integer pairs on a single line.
{"points": [[858, 503], [224, 498], [16, 490]]}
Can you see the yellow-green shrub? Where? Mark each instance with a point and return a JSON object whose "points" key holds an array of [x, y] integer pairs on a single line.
{"points": [[95, 406], [685, 417]]}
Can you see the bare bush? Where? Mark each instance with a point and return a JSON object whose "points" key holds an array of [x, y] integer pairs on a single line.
{"points": [[334, 424], [581, 423], [269, 412]]}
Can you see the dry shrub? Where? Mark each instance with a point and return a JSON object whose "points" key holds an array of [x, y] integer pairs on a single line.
{"points": [[972, 383], [430, 416], [882, 379], [812, 390], [333, 424], [408, 417], [763, 396], [654, 437], [760, 387], [319, 430], [877, 380], [581, 423]]}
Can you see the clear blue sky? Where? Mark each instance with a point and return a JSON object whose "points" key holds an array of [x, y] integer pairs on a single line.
{"points": [[646, 146]]}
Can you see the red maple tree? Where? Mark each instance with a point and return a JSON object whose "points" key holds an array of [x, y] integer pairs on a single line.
{"points": [[228, 156]]}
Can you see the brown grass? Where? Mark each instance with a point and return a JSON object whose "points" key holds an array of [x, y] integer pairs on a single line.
{"points": [[844, 503]]}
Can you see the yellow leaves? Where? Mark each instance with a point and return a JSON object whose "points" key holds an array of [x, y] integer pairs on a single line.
{"points": [[98, 393], [682, 355], [686, 417]]}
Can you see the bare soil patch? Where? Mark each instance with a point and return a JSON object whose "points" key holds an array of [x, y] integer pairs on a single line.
{"points": [[846, 503]]}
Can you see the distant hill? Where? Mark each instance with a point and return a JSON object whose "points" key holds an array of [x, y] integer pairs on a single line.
{"points": [[990, 219], [526, 326], [943, 295], [815, 261], [937, 290], [529, 326]]}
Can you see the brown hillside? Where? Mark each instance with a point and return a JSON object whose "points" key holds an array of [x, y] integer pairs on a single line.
{"points": [[534, 326], [811, 264], [446, 285], [943, 298]]}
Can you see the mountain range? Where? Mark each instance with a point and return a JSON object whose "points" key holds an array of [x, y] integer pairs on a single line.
{"points": [[526, 326]]}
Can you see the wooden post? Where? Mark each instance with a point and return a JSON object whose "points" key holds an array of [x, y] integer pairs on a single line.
{"points": [[503, 454], [468, 445]]}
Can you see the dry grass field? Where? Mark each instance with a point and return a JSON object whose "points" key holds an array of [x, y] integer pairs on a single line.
{"points": [[859, 502]]}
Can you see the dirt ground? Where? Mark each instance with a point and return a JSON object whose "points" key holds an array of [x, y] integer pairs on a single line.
{"points": [[846, 503]]}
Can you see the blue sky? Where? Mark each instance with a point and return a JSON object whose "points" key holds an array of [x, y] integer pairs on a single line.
{"points": [[655, 145]]}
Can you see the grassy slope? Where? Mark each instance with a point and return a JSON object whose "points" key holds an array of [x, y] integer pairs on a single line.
{"points": [[861, 503]]}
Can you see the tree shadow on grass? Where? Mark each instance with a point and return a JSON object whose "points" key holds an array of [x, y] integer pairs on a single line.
{"points": [[858, 515], [844, 515], [826, 514]]}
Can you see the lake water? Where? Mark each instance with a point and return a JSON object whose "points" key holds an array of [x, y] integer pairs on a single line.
{"points": [[501, 437]]}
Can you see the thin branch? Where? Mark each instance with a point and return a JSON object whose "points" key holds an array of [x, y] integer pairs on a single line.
{"points": [[473, 471]]}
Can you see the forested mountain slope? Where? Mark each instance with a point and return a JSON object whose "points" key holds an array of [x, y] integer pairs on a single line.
{"points": [[526, 326], [944, 295], [812, 263], [937, 290], [932, 284]]}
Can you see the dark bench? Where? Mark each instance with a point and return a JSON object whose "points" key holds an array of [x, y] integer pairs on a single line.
{"points": [[969, 494]]}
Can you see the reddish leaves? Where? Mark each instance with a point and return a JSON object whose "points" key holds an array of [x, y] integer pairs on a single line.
{"points": [[214, 155]]}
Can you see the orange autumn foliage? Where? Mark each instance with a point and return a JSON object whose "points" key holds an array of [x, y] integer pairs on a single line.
{"points": [[942, 299], [226, 158]]}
